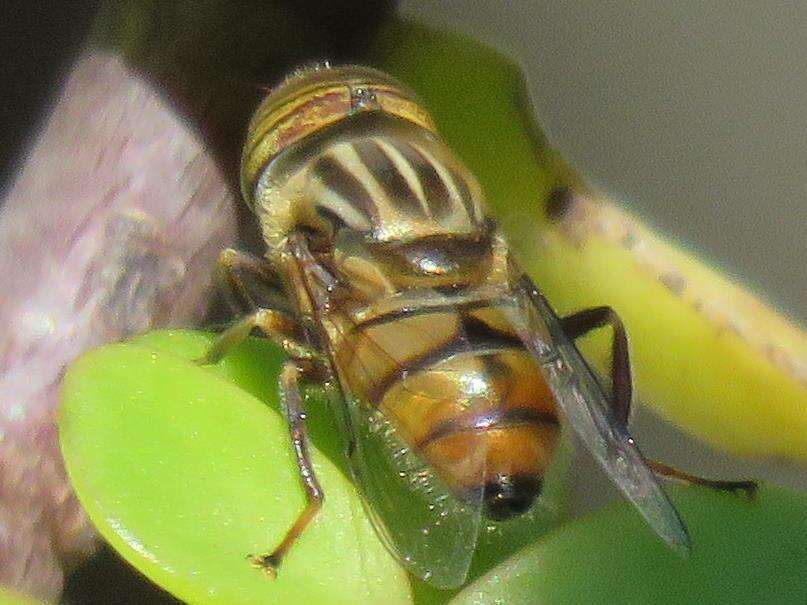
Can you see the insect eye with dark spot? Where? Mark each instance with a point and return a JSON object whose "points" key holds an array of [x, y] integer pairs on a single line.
{"points": [[508, 496]]}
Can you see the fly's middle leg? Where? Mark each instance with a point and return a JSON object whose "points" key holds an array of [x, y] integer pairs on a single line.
{"points": [[284, 330], [290, 377], [583, 322], [279, 327]]}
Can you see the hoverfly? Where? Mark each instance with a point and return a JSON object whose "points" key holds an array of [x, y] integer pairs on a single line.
{"points": [[396, 288]]}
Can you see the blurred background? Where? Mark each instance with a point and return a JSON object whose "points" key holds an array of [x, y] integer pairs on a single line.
{"points": [[38, 43], [693, 113]]}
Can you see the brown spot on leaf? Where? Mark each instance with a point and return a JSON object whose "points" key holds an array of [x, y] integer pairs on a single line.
{"points": [[558, 203], [629, 240], [674, 282]]}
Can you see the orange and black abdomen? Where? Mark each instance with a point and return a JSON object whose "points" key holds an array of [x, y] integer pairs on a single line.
{"points": [[463, 392]]}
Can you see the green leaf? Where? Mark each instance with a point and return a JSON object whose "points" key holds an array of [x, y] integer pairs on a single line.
{"points": [[744, 552], [185, 474], [185, 470]]}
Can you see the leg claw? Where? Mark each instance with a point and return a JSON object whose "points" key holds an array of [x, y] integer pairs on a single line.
{"points": [[267, 563], [749, 488]]}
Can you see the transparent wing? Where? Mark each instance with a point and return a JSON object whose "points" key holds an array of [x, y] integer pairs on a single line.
{"points": [[588, 412], [428, 528], [431, 531]]}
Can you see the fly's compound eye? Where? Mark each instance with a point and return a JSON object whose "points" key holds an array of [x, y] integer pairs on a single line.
{"points": [[313, 100], [508, 496]]}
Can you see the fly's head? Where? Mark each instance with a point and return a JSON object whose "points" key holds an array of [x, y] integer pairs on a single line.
{"points": [[312, 101]]}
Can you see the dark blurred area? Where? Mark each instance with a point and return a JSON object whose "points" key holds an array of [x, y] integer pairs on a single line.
{"points": [[107, 579], [38, 42]]}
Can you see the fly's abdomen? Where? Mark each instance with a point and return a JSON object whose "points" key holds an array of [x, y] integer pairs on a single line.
{"points": [[463, 392]]}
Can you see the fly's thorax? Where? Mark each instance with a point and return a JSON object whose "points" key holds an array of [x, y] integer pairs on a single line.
{"points": [[376, 269], [294, 123]]}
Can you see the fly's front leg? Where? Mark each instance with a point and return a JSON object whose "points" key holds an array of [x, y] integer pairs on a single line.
{"points": [[581, 323], [249, 281], [231, 261], [290, 377], [280, 327], [284, 330], [305, 363], [309, 276]]}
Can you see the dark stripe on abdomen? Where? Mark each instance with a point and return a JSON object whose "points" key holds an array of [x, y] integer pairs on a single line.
{"points": [[395, 315], [495, 418], [477, 330], [461, 344]]}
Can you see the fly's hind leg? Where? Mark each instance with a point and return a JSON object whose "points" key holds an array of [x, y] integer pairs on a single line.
{"points": [[293, 371], [749, 488], [581, 323]]}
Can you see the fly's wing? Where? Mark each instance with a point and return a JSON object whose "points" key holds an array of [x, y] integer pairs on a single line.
{"points": [[431, 531], [587, 410]]}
